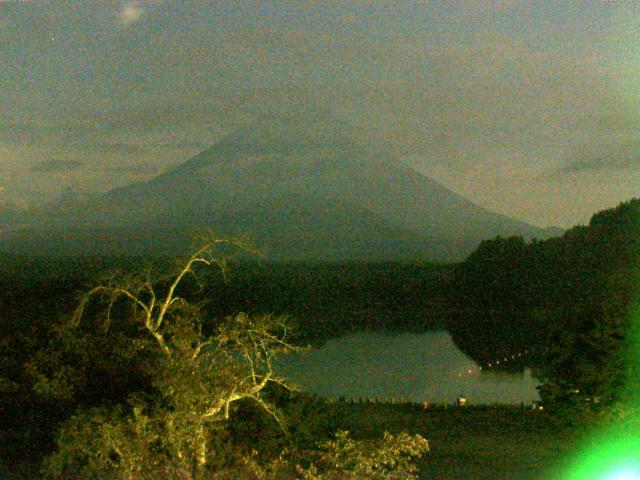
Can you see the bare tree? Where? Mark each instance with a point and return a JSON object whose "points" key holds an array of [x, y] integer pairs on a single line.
{"points": [[196, 377], [168, 431]]}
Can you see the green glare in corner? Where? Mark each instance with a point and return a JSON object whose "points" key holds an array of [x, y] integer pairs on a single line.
{"points": [[624, 473], [613, 453], [615, 457]]}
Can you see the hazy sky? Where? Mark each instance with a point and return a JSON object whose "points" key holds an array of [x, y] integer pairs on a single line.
{"points": [[529, 108]]}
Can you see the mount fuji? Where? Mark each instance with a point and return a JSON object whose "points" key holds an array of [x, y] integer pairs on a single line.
{"points": [[305, 187]]}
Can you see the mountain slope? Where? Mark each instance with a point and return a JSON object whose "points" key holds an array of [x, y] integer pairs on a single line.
{"points": [[306, 180]]}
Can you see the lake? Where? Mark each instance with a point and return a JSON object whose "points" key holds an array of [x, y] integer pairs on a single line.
{"points": [[415, 367]]}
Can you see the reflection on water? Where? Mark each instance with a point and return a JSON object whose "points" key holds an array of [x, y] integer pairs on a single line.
{"points": [[414, 367]]}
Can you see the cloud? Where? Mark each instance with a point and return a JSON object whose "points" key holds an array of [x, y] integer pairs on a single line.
{"points": [[120, 148], [160, 115], [621, 159], [144, 168], [586, 165], [606, 142], [473, 8], [52, 165], [31, 132], [135, 172]]}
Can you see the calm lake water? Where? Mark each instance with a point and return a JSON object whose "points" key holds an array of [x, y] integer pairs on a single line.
{"points": [[415, 367]]}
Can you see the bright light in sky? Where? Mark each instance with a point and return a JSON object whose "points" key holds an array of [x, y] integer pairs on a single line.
{"points": [[130, 13]]}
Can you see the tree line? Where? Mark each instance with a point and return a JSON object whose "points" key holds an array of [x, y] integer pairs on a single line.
{"points": [[569, 299]]}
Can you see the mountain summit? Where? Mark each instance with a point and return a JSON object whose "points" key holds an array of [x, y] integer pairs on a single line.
{"points": [[304, 186]]}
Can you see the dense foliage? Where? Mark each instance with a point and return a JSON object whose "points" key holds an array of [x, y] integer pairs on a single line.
{"points": [[567, 300], [141, 382], [329, 299]]}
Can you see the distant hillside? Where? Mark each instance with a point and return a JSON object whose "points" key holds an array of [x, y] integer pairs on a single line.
{"points": [[304, 187]]}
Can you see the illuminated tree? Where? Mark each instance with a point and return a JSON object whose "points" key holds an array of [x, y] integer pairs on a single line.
{"points": [[391, 458], [196, 380], [178, 424]]}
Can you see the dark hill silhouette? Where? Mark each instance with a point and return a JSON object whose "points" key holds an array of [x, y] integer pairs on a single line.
{"points": [[304, 186]]}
